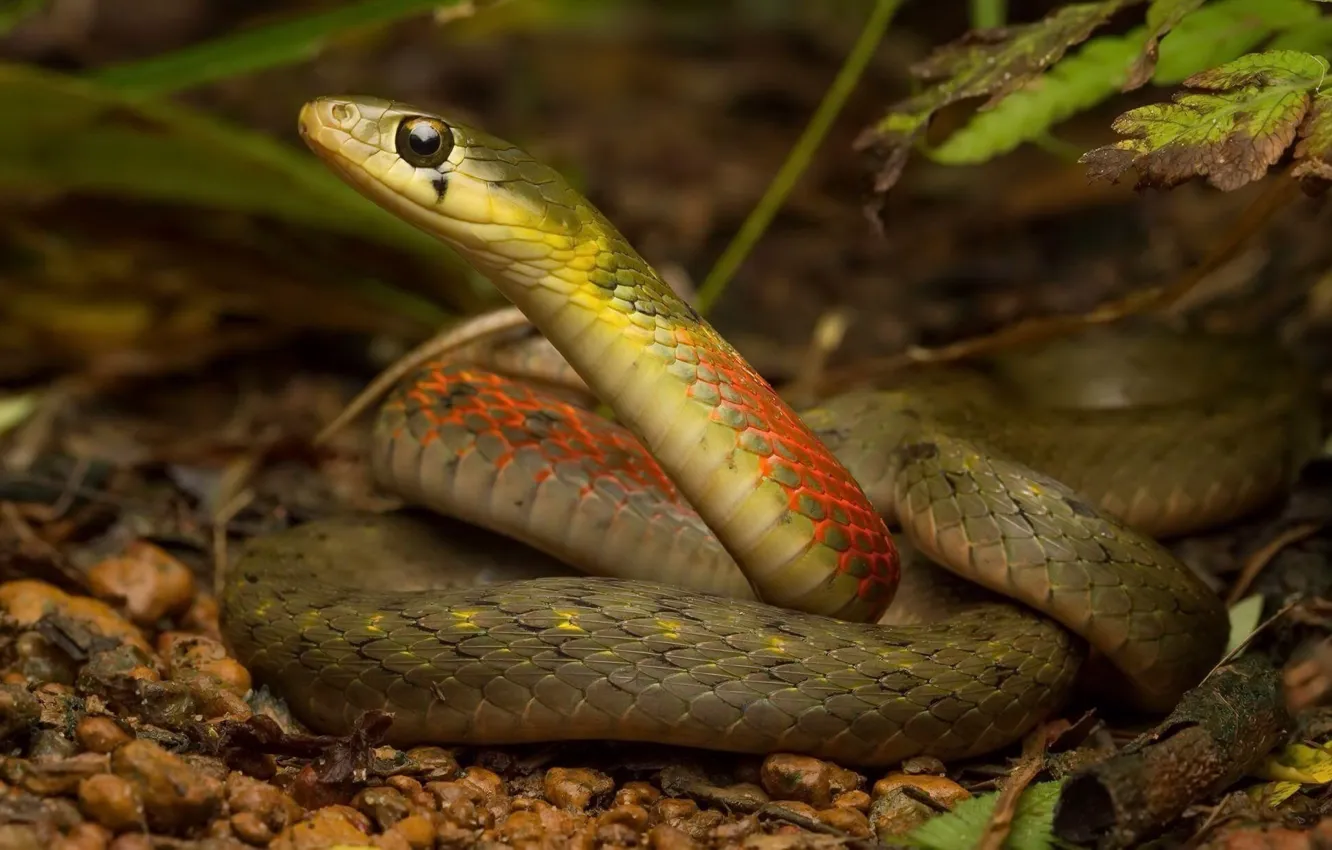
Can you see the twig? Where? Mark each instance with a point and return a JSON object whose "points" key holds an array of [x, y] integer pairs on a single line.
{"points": [[776, 811], [235, 496], [456, 337], [1254, 564], [1239, 648], [1281, 190], [829, 331], [798, 159], [1219, 731], [1000, 824]]}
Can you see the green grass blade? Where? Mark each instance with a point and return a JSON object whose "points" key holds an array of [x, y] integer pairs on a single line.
{"points": [[283, 43]]}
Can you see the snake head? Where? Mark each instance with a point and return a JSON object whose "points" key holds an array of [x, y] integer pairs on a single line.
{"points": [[462, 185]]}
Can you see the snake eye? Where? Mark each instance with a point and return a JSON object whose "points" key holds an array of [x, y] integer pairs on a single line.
{"points": [[424, 142]]}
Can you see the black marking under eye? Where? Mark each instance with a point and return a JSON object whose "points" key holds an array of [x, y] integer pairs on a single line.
{"points": [[441, 184]]}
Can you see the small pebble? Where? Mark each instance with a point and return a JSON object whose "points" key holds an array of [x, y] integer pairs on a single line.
{"points": [[575, 788], [100, 734], [184, 651], [449, 836], [28, 600], [131, 841], [857, 799], [553, 820], [83, 836], [488, 782], [942, 790], [459, 805], [22, 836], [663, 836], [203, 617], [435, 764], [36, 659], [895, 813], [175, 794], [417, 830], [522, 827], [414, 792], [636, 793], [112, 802], [809, 780], [391, 840], [251, 828], [850, 821], [672, 809], [259, 810], [328, 827], [150, 583], [735, 832], [60, 777], [622, 826], [385, 806], [616, 835], [217, 682]]}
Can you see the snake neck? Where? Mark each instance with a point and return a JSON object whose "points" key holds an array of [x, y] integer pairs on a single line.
{"points": [[785, 509]]}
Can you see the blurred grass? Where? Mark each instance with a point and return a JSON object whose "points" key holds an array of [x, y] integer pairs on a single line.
{"points": [[115, 132], [13, 12], [285, 42], [79, 137]]}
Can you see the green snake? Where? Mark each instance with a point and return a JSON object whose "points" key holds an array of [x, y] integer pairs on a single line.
{"points": [[739, 552]]}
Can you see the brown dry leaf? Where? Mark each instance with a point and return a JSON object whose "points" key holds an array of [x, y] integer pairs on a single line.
{"points": [[1231, 132], [1162, 16]]}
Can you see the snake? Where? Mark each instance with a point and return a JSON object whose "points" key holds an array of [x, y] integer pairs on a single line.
{"points": [[708, 568]]}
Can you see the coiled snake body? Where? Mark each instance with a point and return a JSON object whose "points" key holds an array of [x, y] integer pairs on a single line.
{"points": [[737, 496]]}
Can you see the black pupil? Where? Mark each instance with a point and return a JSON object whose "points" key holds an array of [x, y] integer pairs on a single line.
{"points": [[423, 139]]}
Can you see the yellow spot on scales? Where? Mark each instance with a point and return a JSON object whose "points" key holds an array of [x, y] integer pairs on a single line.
{"points": [[372, 623], [569, 624], [669, 628]]}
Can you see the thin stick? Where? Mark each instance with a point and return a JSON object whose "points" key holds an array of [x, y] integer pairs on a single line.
{"points": [[798, 159], [442, 343], [1280, 191]]}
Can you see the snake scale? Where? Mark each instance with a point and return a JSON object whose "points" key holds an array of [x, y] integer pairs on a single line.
{"points": [[739, 553]]}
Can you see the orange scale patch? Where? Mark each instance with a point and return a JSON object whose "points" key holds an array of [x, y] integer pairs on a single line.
{"points": [[864, 546], [524, 417]]}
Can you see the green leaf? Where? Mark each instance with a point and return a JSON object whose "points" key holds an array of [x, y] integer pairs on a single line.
{"points": [[1162, 16], [1224, 30], [1238, 126], [965, 824], [984, 62], [284, 43], [1078, 83], [1093, 74]]}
